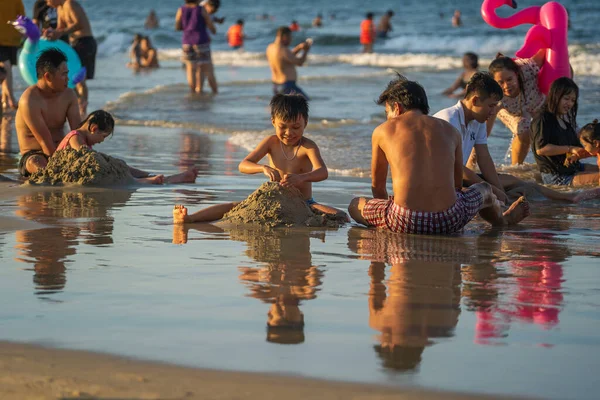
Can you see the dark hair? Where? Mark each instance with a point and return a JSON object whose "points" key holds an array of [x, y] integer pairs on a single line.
{"points": [[283, 31], [409, 94], [102, 119], [562, 87], [49, 61], [191, 1], [590, 132], [294, 21], [215, 4], [240, 22], [473, 59], [288, 107], [502, 62], [369, 15], [483, 85], [390, 13]]}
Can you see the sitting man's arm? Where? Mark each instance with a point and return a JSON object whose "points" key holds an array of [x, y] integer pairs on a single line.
{"points": [[250, 165], [73, 115], [488, 170], [32, 114], [458, 163], [318, 174], [379, 167]]}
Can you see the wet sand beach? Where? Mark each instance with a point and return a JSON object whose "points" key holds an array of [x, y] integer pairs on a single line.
{"points": [[102, 297]]}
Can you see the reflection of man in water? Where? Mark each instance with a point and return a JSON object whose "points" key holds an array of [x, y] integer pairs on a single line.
{"points": [[419, 301], [49, 249]]}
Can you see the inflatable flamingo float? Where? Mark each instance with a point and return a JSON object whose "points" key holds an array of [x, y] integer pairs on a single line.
{"points": [[549, 31]]}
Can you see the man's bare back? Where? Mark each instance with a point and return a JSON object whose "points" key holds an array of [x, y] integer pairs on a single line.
{"points": [[424, 155], [44, 115], [282, 70]]}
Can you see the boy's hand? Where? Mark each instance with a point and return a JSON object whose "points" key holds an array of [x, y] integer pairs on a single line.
{"points": [[271, 173], [291, 180]]}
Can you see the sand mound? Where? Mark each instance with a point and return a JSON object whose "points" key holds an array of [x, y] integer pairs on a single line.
{"points": [[273, 205], [83, 167]]}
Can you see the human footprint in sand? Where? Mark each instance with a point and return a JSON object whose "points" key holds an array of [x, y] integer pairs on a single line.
{"points": [[425, 157], [295, 161], [98, 126]]}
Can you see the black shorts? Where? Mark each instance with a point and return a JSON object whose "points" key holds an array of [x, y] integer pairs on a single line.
{"points": [[9, 53], [23, 161], [85, 48]]}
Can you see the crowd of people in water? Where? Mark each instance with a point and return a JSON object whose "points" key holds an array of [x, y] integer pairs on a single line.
{"points": [[441, 169]]}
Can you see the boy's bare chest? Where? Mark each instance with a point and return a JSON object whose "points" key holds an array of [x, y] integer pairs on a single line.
{"points": [[290, 163]]}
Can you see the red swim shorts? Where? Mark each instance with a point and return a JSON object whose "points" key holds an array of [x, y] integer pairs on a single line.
{"points": [[387, 214]]}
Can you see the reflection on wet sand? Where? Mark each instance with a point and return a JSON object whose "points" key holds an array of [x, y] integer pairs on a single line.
{"points": [[420, 299], [71, 216], [285, 278], [194, 151]]}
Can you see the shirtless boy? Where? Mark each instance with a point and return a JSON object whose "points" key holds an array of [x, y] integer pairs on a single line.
{"points": [[73, 21], [469, 117], [283, 62], [293, 160], [425, 157], [43, 109]]}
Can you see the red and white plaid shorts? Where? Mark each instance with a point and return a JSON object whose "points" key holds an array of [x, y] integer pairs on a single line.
{"points": [[387, 214]]}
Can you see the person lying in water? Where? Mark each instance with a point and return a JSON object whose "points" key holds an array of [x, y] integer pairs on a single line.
{"points": [[293, 160], [95, 129]]}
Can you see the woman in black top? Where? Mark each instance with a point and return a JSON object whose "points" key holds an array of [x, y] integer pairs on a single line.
{"points": [[555, 143]]}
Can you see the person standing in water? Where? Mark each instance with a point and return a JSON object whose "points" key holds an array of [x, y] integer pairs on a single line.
{"points": [[235, 35], [10, 41], [73, 21], [522, 99], [367, 33], [470, 66], [385, 25], [194, 21], [283, 62]]}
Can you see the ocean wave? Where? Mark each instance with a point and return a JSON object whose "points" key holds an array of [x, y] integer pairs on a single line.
{"points": [[454, 45]]}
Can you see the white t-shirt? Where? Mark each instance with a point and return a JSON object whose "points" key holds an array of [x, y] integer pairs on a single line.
{"points": [[474, 133]]}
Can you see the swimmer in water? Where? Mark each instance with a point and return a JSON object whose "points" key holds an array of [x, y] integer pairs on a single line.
{"points": [[470, 66]]}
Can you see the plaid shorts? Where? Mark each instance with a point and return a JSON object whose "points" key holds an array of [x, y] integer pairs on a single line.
{"points": [[387, 214]]}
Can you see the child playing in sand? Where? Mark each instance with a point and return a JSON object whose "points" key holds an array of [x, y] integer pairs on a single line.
{"points": [[98, 126], [293, 160], [589, 136]]}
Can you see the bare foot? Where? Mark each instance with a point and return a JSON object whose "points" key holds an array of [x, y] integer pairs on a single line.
{"points": [[517, 211], [152, 180], [587, 195], [180, 214], [180, 233], [188, 176]]}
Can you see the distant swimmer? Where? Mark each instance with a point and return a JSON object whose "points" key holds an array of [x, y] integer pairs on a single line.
{"points": [[235, 35], [283, 61], [367, 33], [151, 21], [470, 65], [318, 21], [456, 19], [385, 25], [294, 26]]}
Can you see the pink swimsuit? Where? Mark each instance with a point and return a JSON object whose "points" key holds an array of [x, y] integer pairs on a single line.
{"points": [[64, 144]]}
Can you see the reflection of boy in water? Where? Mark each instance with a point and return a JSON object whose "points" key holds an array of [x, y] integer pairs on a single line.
{"points": [[294, 161]]}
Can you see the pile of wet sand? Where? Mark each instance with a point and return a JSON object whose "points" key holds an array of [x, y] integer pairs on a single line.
{"points": [[274, 205], [83, 167]]}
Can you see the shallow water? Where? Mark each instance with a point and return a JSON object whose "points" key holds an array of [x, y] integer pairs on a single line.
{"points": [[508, 312]]}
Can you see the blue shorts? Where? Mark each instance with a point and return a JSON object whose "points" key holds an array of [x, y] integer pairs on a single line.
{"points": [[288, 87], [561, 180], [310, 202]]}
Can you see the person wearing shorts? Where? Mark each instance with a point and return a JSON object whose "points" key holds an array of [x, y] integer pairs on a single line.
{"points": [[195, 22], [10, 41], [424, 155], [288, 87]]}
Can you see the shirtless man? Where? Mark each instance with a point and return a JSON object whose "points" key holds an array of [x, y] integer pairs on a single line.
{"points": [[73, 21], [283, 62], [425, 156], [385, 25], [43, 109]]}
